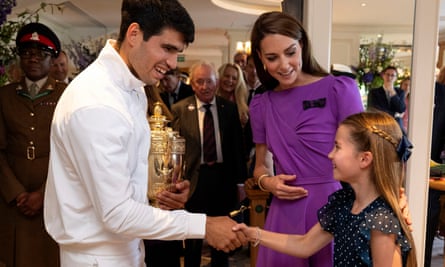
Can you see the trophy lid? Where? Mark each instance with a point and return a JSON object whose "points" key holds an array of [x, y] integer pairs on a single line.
{"points": [[157, 121]]}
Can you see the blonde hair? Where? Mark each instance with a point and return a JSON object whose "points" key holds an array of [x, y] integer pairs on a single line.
{"points": [[380, 134], [240, 92]]}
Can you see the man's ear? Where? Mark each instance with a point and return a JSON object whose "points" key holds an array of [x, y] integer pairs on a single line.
{"points": [[133, 33], [366, 159]]}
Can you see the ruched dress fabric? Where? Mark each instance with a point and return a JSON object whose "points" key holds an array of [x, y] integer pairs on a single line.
{"points": [[300, 136], [352, 232]]}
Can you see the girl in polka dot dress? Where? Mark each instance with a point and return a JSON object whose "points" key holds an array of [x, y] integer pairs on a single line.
{"points": [[364, 219]]}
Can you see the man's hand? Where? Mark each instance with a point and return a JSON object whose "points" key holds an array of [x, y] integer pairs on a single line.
{"points": [[30, 204], [21, 199], [174, 199], [219, 234]]}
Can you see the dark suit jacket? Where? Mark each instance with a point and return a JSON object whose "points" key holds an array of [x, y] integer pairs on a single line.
{"points": [[185, 90], [377, 100], [185, 121], [438, 132]]}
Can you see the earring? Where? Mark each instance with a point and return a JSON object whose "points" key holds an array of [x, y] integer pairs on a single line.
{"points": [[264, 67]]}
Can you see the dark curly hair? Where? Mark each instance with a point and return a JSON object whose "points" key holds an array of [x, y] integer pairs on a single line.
{"points": [[153, 16]]}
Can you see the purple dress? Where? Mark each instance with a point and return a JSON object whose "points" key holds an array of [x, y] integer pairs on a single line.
{"points": [[298, 125]]}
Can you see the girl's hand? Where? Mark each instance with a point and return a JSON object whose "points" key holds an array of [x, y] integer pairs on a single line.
{"points": [[249, 232]]}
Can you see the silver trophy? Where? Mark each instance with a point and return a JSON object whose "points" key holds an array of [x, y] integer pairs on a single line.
{"points": [[166, 157]]}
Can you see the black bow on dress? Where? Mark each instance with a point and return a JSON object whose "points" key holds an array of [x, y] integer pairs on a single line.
{"points": [[317, 103]]}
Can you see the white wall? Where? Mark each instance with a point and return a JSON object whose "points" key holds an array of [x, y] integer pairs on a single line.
{"points": [[346, 40]]}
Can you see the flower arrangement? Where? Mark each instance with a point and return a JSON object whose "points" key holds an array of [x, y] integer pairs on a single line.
{"points": [[9, 29], [83, 53], [373, 59]]}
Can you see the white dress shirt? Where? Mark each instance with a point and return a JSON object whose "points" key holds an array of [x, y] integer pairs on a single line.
{"points": [[96, 191]]}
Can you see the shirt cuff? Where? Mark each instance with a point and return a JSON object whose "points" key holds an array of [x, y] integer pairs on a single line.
{"points": [[197, 226]]}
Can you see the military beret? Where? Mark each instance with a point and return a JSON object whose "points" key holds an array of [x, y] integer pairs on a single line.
{"points": [[40, 35]]}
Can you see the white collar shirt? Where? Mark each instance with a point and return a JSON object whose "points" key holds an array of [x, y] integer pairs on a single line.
{"points": [[39, 83]]}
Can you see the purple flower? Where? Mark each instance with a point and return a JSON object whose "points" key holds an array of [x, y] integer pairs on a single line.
{"points": [[368, 77], [83, 53], [5, 9]]}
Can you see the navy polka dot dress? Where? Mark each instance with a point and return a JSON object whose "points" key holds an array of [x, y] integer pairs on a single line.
{"points": [[352, 232]]}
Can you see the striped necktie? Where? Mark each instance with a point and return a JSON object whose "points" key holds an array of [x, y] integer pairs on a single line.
{"points": [[209, 142]]}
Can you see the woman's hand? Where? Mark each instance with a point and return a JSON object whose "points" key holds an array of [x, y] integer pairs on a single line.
{"points": [[251, 183], [278, 187]]}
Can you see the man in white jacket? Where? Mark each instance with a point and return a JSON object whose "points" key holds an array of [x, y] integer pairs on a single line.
{"points": [[95, 200]]}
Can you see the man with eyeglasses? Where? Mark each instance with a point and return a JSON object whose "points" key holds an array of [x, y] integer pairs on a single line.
{"points": [[26, 109], [387, 97], [214, 155]]}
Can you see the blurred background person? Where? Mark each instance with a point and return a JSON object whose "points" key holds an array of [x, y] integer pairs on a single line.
{"points": [[173, 88], [231, 86], [252, 81], [240, 59], [59, 68], [14, 71], [387, 97], [405, 85]]}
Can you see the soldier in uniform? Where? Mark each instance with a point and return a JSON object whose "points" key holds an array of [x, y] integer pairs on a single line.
{"points": [[26, 110]]}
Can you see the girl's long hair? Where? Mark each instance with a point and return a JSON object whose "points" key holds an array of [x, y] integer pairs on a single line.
{"points": [[380, 134]]}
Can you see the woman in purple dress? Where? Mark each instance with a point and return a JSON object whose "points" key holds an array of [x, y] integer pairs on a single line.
{"points": [[296, 120]]}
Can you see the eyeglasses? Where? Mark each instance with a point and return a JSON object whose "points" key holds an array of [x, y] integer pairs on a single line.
{"points": [[38, 54], [202, 82]]}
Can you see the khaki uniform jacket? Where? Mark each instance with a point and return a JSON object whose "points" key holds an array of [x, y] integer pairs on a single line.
{"points": [[24, 156]]}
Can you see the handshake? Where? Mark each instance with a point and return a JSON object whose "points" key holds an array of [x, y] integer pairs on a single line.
{"points": [[220, 232], [221, 235]]}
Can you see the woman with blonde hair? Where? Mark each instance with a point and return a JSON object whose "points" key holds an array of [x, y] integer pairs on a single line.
{"points": [[231, 86]]}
